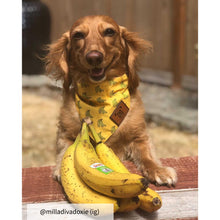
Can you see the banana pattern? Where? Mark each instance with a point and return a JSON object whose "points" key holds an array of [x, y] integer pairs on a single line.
{"points": [[100, 177], [76, 190], [150, 200], [98, 101]]}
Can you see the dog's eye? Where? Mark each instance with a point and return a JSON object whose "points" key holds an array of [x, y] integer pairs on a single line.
{"points": [[109, 32], [79, 35]]}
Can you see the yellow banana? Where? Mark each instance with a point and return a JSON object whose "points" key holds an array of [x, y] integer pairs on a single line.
{"points": [[105, 153], [101, 178], [150, 200], [128, 204], [76, 190]]}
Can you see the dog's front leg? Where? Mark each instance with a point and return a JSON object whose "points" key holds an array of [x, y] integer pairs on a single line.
{"points": [[142, 154]]}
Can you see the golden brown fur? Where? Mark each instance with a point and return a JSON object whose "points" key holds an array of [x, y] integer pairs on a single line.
{"points": [[116, 52]]}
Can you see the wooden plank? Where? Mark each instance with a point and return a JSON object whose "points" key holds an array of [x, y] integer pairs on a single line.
{"points": [[186, 168], [152, 19], [177, 204], [119, 12], [191, 55], [179, 8], [130, 15], [165, 78], [65, 13], [160, 77], [39, 186], [190, 82]]}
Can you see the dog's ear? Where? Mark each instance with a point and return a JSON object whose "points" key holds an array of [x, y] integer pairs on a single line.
{"points": [[134, 47], [57, 60]]}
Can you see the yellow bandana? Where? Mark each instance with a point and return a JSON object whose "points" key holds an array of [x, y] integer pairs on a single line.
{"points": [[106, 103]]}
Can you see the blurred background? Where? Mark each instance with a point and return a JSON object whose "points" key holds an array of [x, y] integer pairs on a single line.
{"points": [[169, 77]]}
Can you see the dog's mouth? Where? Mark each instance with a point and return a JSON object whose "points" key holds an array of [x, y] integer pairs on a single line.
{"points": [[97, 74]]}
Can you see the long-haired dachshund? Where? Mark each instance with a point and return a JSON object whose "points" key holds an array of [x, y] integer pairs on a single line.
{"points": [[94, 51]]}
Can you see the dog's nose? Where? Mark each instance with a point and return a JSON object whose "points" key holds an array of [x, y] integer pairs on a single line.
{"points": [[94, 57]]}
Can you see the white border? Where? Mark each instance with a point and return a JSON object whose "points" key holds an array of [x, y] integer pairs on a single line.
{"points": [[209, 109], [11, 109]]}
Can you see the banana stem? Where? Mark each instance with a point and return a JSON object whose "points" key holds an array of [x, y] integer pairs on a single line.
{"points": [[87, 120], [94, 133], [84, 131], [77, 139]]}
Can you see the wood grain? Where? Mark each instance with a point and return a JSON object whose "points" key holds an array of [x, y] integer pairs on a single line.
{"points": [[152, 19], [179, 30], [176, 205], [39, 186]]}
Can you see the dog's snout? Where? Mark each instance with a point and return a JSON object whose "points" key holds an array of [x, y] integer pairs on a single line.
{"points": [[94, 58]]}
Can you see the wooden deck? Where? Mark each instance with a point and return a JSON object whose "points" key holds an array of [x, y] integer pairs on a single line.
{"points": [[180, 202]]}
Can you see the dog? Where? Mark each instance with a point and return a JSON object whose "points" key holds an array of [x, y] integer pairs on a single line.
{"points": [[97, 50]]}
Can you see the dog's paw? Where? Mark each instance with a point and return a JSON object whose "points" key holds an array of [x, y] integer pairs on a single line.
{"points": [[56, 174], [161, 176]]}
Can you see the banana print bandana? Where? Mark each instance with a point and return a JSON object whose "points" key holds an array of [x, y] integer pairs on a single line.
{"points": [[106, 103]]}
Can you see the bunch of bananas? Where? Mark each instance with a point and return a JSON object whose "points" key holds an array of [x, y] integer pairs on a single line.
{"points": [[96, 175]]}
